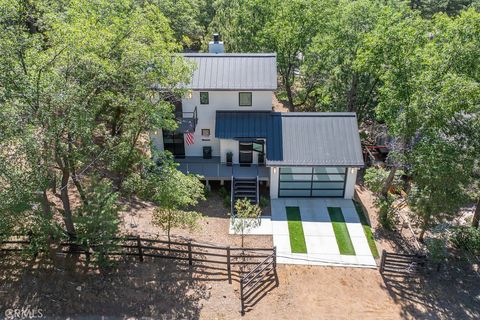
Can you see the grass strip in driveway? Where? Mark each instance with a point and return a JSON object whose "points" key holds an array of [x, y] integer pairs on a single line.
{"points": [[340, 229], [295, 230], [367, 230]]}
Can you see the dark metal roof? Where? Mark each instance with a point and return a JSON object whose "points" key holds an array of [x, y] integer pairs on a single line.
{"points": [[297, 138], [233, 71], [319, 139]]}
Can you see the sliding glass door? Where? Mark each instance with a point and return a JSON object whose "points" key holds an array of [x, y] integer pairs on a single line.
{"points": [[174, 142]]}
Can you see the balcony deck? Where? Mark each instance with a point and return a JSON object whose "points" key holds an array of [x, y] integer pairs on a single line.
{"points": [[212, 169]]}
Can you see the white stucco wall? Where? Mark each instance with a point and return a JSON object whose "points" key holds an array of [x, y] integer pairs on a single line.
{"points": [[228, 146], [274, 182], [157, 139], [350, 183], [218, 100]]}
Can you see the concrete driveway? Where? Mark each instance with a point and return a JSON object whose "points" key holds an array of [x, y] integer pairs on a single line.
{"points": [[322, 248]]}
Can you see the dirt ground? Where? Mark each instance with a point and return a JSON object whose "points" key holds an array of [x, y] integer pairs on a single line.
{"points": [[163, 289]]}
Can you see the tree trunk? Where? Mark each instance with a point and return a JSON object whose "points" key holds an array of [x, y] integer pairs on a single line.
{"points": [[421, 237], [388, 182], [476, 215], [169, 226], [288, 89], [78, 185], [45, 204], [352, 95], [67, 211]]}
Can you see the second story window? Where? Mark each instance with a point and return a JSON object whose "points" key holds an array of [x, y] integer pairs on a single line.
{"points": [[204, 98], [245, 99]]}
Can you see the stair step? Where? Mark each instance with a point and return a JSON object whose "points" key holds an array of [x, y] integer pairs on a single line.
{"points": [[245, 191], [245, 187], [245, 184]]}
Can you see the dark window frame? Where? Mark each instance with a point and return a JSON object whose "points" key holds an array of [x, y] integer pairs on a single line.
{"points": [[208, 97], [206, 135], [240, 100]]}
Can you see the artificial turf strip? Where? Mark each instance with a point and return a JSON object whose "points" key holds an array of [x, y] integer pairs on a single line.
{"points": [[295, 230], [367, 230], [340, 229]]}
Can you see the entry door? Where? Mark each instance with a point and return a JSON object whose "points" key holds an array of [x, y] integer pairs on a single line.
{"points": [[174, 142], [245, 153]]}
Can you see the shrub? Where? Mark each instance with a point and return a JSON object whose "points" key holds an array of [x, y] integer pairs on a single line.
{"points": [[386, 215], [223, 192], [374, 179], [226, 201], [264, 202], [467, 239], [437, 250]]}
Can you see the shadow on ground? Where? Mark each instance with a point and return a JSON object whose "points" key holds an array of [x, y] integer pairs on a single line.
{"points": [[450, 294], [159, 289]]}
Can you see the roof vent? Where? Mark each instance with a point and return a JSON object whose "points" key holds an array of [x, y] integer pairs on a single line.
{"points": [[216, 46]]}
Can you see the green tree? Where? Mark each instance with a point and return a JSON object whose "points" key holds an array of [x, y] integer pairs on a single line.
{"points": [[97, 221], [338, 78], [172, 191], [429, 92], [75, 93], [246, 218]]}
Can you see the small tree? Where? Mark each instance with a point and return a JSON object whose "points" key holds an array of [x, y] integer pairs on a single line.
{"points": [[174, 193], [168, 218], [97, 221], [247, 217]]}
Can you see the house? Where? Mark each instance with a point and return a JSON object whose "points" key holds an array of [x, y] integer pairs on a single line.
{"points": [[229, 132]]}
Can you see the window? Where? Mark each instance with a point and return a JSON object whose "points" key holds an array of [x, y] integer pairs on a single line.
{"points": [[205, 132], [245, 99], [204, 98]]}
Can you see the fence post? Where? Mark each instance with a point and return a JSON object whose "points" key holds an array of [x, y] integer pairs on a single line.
{"points": [[382, 261], [190, 260], [229, 266], [87, 257], [275, 258], [140, 251], [242, 311]]}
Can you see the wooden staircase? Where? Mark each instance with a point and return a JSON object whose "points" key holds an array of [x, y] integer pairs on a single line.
{"points": [[244, 188]]}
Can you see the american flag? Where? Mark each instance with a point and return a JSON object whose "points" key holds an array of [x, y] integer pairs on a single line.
{"points": [[189, 138]]}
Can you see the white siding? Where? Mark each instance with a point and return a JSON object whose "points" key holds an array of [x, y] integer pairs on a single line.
{"points": [[350, 183]]}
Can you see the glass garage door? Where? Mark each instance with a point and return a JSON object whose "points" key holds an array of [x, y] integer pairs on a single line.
{"points": [[312, 182]]}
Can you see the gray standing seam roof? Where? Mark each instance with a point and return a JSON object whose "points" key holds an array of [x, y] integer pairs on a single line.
{"points": [[297, 138], [233, 71]]}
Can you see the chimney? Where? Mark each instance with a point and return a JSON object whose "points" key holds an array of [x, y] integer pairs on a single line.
{"points": [[216, 46]]}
